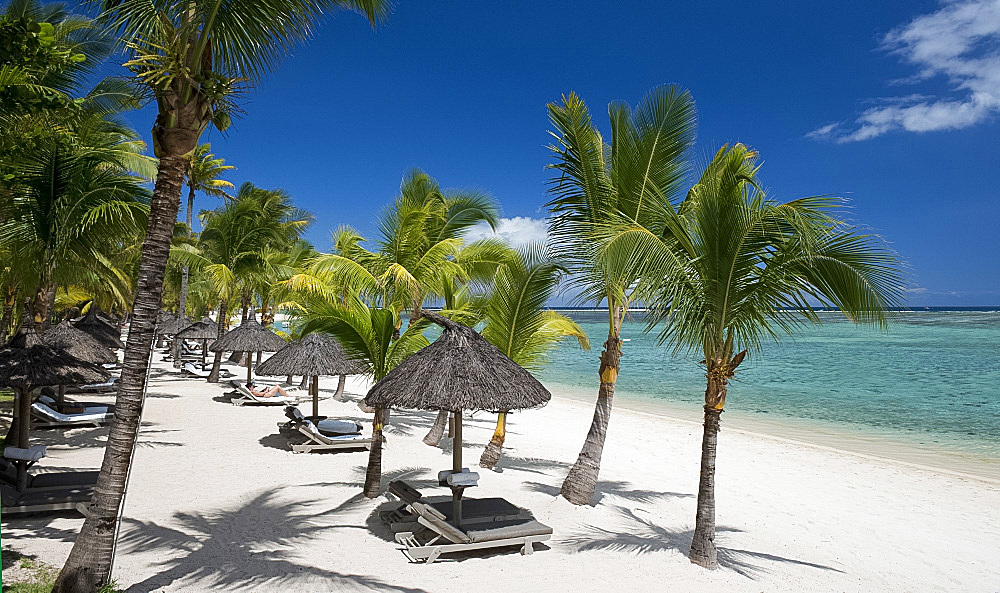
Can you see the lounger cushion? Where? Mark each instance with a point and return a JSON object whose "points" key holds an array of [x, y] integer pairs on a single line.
{"points": [[31, 497], [479, 510], [66, 479], [484, 532], [404, 491], [89, 415], [337, 427]]}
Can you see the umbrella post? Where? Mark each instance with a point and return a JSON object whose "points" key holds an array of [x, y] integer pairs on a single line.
{"points": [[204, 347], [24, 422], [456, 467], [314, 388], [249, 375], [61, 395]]}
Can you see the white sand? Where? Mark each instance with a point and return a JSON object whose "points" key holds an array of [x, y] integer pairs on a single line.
{"points": [[217, 503]]}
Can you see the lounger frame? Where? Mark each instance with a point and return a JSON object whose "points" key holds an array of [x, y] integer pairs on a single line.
{"points": [[321, 443], [431, 550]]}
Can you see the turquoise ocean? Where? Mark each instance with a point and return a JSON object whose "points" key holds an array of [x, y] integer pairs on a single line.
{"points": [[932, 379]]}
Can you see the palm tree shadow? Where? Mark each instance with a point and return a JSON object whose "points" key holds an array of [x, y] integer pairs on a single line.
{"points": [[247, 546], [641, 536], [615, 488]]}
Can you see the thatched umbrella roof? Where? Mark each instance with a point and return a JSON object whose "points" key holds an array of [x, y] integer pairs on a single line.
{"points": [[316, 354], [249, 336], [78, 343], [459, 371], [204, 329], [105, 332], [171, 324], [27, 362]]}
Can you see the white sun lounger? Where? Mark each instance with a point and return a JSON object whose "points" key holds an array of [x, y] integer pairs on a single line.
{"points": [[320, 442], [523, 531], [190, 369], [44, 416], [109, 385], [247, 397]]}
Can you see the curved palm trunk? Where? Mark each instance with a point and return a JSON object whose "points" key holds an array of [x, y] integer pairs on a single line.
{"points": [[434, 435], [89, 564], [213, 377], [305, 382], [373, 475], [189, 219], [580, 484], [341, 383], [491, 455]]}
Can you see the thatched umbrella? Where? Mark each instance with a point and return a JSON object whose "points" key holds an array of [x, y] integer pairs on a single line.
{"points": [[203, 330], [249, 337], [28, 362], [313, 355], [168, 324], [79, 344], [105, 332], [459, 371]]}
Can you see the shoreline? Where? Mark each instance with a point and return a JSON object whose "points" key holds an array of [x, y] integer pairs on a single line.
{"points": [[866, 444]]}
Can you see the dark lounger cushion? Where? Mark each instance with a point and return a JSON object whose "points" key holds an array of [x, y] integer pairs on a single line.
{"points": [[486, 532]]}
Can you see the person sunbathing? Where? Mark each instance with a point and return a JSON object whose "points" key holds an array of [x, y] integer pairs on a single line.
{"points": [[267, 391]]}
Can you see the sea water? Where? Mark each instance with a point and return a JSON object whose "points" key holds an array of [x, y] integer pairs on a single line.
{"points": [[932, 379]]}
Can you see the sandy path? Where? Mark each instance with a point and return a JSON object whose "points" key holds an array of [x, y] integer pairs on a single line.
{"points": [[217, 502]]}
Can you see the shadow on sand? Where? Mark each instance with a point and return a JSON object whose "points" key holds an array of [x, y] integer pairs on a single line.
{"points": [[639, 535], [251, 545]]}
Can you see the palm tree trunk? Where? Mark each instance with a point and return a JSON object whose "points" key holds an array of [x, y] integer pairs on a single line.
{"points": [[341, 383], [189, 219], [580, 484], [434, 435], [373, 476], [8, 313], [703, 552], [305, 382], [491, 455], [89, 564], [213, 377]]}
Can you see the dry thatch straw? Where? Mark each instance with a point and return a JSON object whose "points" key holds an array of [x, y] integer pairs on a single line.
{"points": [[106, 333], [249, 336], [315, 354], [78, 343], [27, 362], [168, 324], [459, 371], [204, 329]]}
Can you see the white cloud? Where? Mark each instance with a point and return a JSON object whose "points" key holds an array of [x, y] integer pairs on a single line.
{"points": [[960, 42], [517, 231]]}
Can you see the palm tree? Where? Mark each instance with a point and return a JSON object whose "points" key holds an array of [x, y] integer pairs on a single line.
{"points": [[602, 194], [204, 174], [232, 249], [70, 192], [748, 269], [517, 322], [368, 334]]}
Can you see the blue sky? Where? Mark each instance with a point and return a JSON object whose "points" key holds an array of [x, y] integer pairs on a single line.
{"points": [[892, 104]]}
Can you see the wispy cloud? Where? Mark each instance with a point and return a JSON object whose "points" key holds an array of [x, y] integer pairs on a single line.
{"points": [[516, 231], [960, 42]]}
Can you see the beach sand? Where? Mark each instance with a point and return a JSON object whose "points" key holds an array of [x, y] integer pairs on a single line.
{"points": [[217, 502]]}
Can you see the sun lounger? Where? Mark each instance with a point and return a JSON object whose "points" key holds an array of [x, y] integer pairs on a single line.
{"points": [[42, 500], [109, 385], [330, 428], [47, 480], [446, 538], [247, 397], [474, 510], [44, 416], [320, 442], [52, 403], [190, 369]]}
